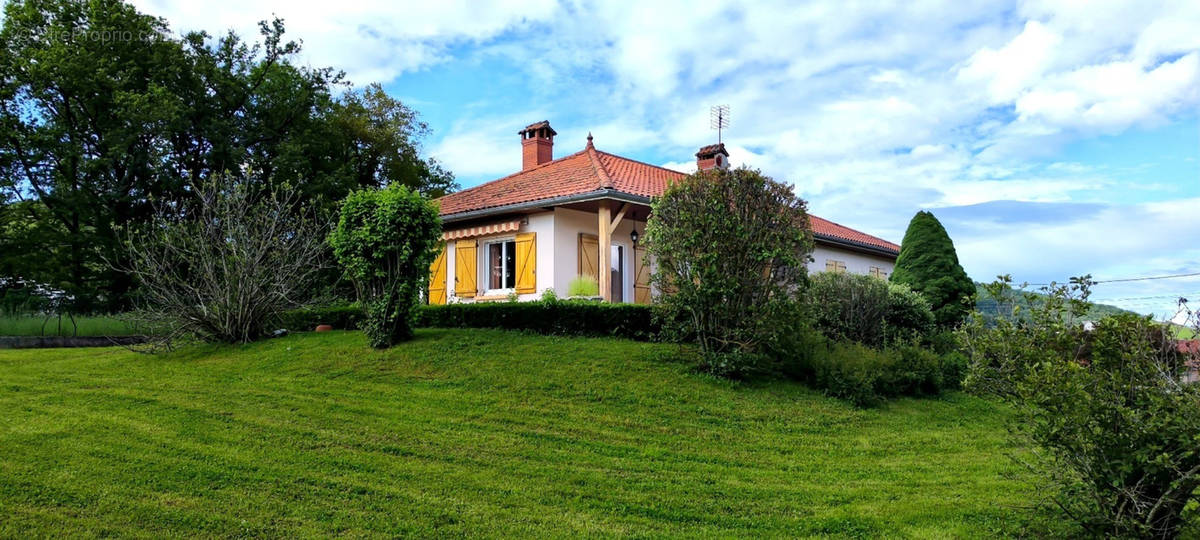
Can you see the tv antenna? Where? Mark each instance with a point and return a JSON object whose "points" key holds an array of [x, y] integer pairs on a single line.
{"points": [[718, 119]]}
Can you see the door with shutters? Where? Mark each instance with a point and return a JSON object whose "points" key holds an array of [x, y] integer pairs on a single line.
{"points": [[589, 255], [465, 272], [526, 263], [641, 273], [437, 278]]}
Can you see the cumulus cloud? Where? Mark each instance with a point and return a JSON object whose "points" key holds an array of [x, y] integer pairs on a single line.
{"points": [[873, 111]]}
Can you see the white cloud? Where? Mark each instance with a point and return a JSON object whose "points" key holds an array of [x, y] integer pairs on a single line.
{"points": [[872, 110], [373, 41]]}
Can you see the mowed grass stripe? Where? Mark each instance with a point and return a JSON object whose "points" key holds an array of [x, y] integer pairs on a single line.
{"points": [[477, 433]]}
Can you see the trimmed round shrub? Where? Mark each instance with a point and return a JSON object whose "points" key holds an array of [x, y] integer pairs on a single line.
{"points": [[385, 240]]}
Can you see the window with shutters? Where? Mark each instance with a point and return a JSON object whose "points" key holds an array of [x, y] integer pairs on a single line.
{"points": [[878, 272], [835, 266], [501, 265]]}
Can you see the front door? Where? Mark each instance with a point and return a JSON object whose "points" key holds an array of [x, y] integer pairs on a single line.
{"points": [[618, 274]]}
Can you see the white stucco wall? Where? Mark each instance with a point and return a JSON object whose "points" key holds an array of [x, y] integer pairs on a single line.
{"points": [[856, 262], [568, 224], [542, 224]]}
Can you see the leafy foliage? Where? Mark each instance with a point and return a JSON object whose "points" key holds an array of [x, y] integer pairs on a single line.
{"points": [[106, 118], [226, 271], [731, 248], [863, 375], [1117, 430], [866, 309], [385, 241], [572, 318], [929, 264], [340, 317]]}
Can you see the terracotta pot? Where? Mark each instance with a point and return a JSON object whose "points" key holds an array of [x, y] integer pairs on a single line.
{"points": [[324, 328]]}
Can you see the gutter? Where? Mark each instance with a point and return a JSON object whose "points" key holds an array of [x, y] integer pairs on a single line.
{"points": [[857, 246]]}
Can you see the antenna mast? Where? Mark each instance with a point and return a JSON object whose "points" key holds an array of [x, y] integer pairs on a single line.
{"points": [[718, 119]]}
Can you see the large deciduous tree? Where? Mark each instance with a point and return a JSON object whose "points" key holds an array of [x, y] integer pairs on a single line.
{"points": [[104, 115], [731, 248], [929, 265]]}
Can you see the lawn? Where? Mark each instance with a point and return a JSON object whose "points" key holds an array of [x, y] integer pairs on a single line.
{"points": [[32, 325], [470, 432]]}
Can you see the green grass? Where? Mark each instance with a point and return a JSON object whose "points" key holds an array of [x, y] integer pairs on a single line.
{"points": [[1182, 332], [31, 325], [475, 432]]}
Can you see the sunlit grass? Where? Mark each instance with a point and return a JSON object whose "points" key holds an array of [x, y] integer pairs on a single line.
{"points": [[482, 433]]}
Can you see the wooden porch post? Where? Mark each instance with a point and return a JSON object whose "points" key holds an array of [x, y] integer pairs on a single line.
{"points": [[604, 266]]}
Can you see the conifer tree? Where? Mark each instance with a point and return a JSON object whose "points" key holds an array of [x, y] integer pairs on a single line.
{"points": [[929, 265]]}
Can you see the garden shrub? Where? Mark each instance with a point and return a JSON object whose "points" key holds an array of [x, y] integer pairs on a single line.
{"points": [[227, 269], [731, 248], [385, 240], [862, 375], [574, 318], [1116, 430], [866, 309]]}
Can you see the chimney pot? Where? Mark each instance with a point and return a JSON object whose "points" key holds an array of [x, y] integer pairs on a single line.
{"points": [[713, 156], [537, 144]]}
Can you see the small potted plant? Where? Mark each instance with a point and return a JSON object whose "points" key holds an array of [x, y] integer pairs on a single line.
{"points": [[583, 288]]}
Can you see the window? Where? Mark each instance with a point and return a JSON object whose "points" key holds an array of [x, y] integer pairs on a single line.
{"points": [[835, 266], [502, 265], [878, 272]]}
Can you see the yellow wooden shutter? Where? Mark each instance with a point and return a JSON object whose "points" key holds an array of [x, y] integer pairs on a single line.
{"points": [[641, 282], [589, 255], [437, 278], [464, 268], [526, 263]]}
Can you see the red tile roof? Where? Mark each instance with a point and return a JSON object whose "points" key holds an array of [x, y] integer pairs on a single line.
{"points": [[824, 227], [592, 170]]}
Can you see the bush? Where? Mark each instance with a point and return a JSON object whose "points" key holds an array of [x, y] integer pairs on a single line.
{"points": [[344, 317], [866, 309], [573, 318], [385, 240], [860, 374], [730, 248], [1117, 431], [228, 268]]}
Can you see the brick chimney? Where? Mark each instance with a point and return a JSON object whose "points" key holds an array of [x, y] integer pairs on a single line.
{"points": [[537, 144], [712, 156]]}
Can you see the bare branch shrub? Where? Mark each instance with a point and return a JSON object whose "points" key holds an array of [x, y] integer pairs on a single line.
{"points": [[224, 268]]}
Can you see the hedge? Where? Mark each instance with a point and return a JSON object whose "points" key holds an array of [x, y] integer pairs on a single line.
{"points": [[344, 317], [631, 321]]}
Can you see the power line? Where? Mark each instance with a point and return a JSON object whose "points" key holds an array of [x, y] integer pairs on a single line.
{"points": [[1124, 280]]}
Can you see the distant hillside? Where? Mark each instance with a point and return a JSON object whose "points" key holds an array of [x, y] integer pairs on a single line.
{"points": [[990, 307]]}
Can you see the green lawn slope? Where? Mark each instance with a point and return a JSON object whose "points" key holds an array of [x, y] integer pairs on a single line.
{"points": [[470, 432]]}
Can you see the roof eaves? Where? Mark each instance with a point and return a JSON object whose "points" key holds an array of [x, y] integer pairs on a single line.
{"points": [[858, 246], [541, 203]]}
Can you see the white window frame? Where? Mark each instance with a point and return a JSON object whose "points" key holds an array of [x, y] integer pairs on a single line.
{"points": [[486, 267]]}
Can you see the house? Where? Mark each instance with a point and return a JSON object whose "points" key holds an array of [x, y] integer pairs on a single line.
{"points": [[1190, 350], [582, 214]]}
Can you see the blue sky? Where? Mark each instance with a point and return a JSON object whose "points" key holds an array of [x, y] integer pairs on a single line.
{"points": [[1052, 138]]}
